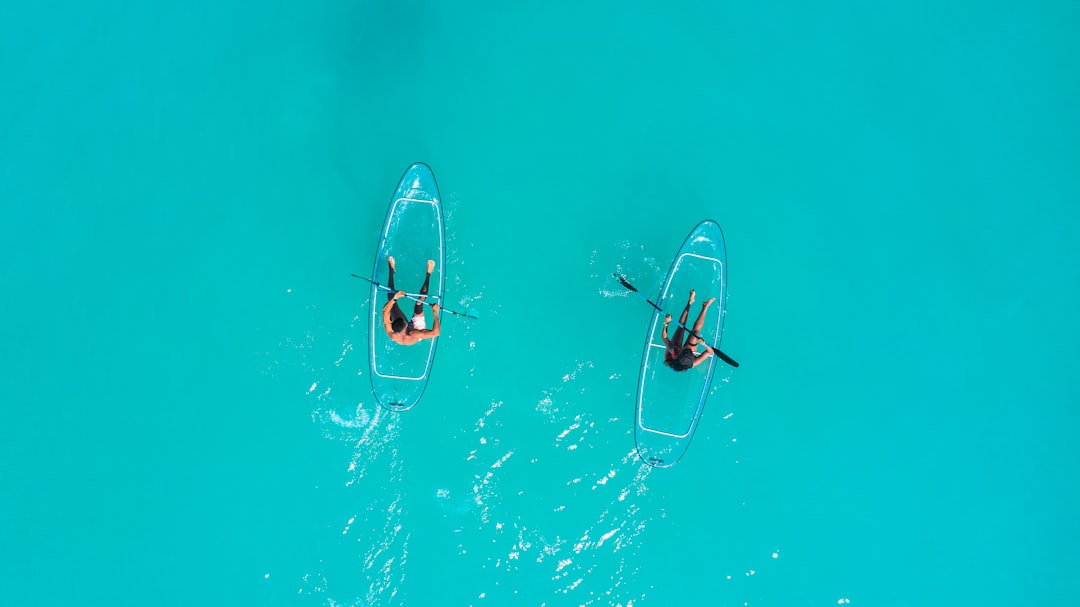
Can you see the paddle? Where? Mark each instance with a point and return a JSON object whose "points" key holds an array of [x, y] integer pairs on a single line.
{"points": [[414, 297], [723, 357]]}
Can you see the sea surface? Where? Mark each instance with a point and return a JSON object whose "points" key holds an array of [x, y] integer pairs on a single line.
{"points": [[186, 187]]}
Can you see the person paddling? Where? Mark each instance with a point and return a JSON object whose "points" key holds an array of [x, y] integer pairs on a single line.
{"points": [[679, 355], [398, 328]]}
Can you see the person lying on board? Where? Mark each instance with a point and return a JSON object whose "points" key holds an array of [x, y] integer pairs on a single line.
{"points": [[679, 355], [409, 332]]}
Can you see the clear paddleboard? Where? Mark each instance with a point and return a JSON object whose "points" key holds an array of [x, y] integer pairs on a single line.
{"points": [[669, 403], [412, 233]]}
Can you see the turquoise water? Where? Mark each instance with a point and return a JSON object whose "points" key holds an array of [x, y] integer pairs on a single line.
{"points": [[187, 416]]}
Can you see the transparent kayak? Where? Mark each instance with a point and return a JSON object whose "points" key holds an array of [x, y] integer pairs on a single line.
{"points": [[412, 233], [669, 403]]}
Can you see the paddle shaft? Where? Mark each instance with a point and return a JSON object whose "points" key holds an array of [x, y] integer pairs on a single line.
{"points": [[412, 296], [723, 357]]}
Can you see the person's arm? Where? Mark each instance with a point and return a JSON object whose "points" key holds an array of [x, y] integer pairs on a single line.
{"points": [[663, 334], [435, 330], [701, 357], [386, 311]]}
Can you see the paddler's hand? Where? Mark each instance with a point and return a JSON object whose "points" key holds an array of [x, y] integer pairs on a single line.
{"points": [[435, 309], [399, 295], [667, 319]]}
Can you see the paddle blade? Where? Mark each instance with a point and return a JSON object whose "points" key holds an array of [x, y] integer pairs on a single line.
{"points": [[624, 283], [724, 357]]}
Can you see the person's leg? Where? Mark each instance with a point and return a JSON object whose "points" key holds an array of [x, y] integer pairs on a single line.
{"points": [[419, 307], [390, 280], [686, 310], [678, 339], [699, 323]]}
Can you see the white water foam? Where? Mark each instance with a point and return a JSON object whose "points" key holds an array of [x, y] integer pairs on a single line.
{"points": [[563, 541]]}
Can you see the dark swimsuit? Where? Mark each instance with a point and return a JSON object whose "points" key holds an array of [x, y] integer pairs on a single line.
{"points": [[677, 339]]}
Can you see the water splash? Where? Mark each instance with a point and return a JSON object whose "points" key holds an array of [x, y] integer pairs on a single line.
{"points": [[595, 510], [616, 529], [343, 411], [627, 259]]}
